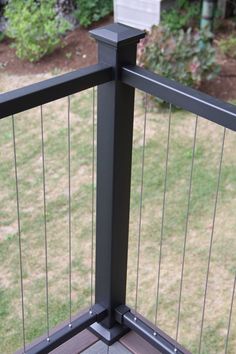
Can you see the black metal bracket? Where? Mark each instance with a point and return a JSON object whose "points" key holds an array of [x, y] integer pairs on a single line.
{"points": [[156, 337], [109, 335]]}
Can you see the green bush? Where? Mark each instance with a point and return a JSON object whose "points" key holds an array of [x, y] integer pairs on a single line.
{"points": [[184, 15], [89, 11], [228, 46], [187, 57], [35, 27]]}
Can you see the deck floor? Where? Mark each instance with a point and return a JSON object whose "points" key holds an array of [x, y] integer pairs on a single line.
{"points": [[87, 343], [101, 348]]}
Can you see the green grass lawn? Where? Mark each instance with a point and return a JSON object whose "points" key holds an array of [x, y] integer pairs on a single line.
{"points": [[223, 265]]}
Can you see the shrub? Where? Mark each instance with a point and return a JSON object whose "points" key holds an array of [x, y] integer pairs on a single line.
{"points": [[35, 27], [183, 16], [187, 57], [228, 46], [89, 11]]}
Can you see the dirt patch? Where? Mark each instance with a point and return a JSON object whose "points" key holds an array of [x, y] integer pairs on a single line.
{"points": [[7, 231], [224, 85], [78, 50]]}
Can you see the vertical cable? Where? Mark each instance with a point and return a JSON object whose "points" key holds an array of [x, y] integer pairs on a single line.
{"points": [[230, 316], [211, 240], [19, 234], [163, 213], [69, 209], [186, 227], [93, 186], [141, 203], [45, 221]]}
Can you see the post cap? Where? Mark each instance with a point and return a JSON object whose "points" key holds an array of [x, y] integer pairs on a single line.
{"points": [[117, 34]]}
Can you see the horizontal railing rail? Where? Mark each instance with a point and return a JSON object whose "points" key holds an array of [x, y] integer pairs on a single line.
{"points": [[95, 314], [181, 96], [50, 90], [156, 337]]}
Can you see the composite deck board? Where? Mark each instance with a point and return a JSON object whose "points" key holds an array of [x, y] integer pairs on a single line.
{"points": [[101, 348], [137, 345], [77, 344], [86, 342]]}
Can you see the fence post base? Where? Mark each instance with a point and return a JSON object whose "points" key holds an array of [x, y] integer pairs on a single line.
{"points": [[108, 335]]}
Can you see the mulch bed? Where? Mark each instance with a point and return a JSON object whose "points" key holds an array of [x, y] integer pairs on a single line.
{"points": [[78, 50]]}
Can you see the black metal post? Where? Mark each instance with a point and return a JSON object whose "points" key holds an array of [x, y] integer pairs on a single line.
{"points": [[116, 47]]}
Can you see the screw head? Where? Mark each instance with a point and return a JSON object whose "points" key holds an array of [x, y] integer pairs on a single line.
{"points": [[135, 319], [154, 333], [175, 350], [90, 312], [48, 339], [70, 325]]}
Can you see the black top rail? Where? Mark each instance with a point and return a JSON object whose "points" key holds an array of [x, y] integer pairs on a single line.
{"points": [[31, 96], [184, 97]]}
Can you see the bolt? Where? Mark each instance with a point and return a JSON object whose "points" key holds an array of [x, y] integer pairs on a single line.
{"points": [[155, 333], [70, 325], [135, 319], [90, 312], [48, 339]]}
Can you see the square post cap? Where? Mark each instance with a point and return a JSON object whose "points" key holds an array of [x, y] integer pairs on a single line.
{"points": [[117, 35]]}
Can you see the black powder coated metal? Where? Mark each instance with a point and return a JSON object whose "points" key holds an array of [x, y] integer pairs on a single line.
{"points": [[153, 335], [66, 333], [49, 90], [117, 35], [109, 335], [116, 47], [181, 96]]}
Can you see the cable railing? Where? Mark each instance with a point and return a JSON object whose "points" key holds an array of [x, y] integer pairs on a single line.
{"points": [[49, 168], [182, 169], [181, 192]]}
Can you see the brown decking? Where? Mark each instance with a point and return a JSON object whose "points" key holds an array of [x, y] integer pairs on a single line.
{"points": [[130, 343], [77, 344], [137, 344], [87, 343]]}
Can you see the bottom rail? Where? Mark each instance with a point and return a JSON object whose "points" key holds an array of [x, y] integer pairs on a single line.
{"points": [[156, 337], [45, 346]]}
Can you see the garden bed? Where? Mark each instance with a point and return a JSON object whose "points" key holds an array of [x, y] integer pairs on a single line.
{"points": [[79, 50]]}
